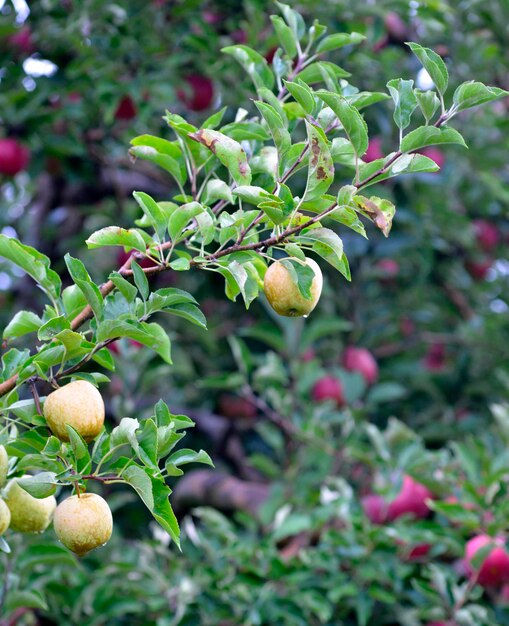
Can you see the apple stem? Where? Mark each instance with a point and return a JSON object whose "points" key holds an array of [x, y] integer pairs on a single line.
{"points": [[35, 394]]}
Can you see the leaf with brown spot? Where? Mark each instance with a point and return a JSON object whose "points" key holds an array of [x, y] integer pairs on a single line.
{"points": [[379, 210], [321, 165], [228, 151]]}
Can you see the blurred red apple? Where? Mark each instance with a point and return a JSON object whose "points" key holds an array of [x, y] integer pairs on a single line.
{"points": [[418, 552], [478, 269], [236, 407], [388, 270], [361, 360], [14, 157], [494, 570], [199, 94], [239, 36], [411, 500], [407, 326], [308, 355], [269, 56], [22, 41], [328, 388], [126, 109], [486, 234], [374, 150], [396, 27], [375, 507], [434, 359]]}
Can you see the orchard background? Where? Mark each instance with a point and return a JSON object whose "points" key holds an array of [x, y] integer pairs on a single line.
{"points": [[360, 454]]}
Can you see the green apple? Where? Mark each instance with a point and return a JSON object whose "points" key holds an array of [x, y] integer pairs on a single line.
{"points": [[5, 517], [3, 466], [283, 293], [83, 522], [78, 404], [28, 514]]}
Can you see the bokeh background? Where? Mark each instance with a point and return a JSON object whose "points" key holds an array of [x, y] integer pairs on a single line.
{"points": [[276, 534]]}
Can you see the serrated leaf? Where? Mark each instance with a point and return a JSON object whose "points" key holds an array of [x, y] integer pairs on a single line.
{"points": [[405, 101], [276, 124], [321, 166], [352, 121], [430, 136], [22, 323], [40, 485], [379, 210], [472, 93], [253, 63], [84, 283], [338, 40]]}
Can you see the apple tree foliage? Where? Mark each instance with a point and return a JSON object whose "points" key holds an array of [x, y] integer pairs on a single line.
{"points": [[285, 170]]}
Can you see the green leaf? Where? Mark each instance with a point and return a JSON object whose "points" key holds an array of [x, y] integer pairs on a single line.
{"points": [[314, 72], [22, 323], [83, 462], [40, 485], [216, 190], [116, 236], [184, 456], [430, 136], [338, 40], [253, 63], [24, 598], [364, 99], [127, 289], [180, 265], [228, 151], [321, 165], [379, 210], [285, 35], [405, 101], [52, 327], [434, 65], [255, 195], [84, 283], [428, 103], [352, 121], [140, 280], [190, 313], [181, 217], [157, 339], [154, 494], [44, 554], [294, 20], [302, 94], [327, 244], [215, 119], [164, 153], [301, 274], [34, 263], [152, 211], [277, 128], [472, 93]]}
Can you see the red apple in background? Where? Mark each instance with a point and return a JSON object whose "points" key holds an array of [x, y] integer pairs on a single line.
{"points": [[388, 270], [434, 154], [239, 36], [361, 360], [478, 269], [308, 355], [434, 359], [269, 56], [14, 157], [199, 94], [374, 150], [494, 570], [22, 41], [375, 508], [328, 388], [486, 234], [407, 326], [395, 26], [236, 407], [411, 500], [126, 109], [418, 552]]}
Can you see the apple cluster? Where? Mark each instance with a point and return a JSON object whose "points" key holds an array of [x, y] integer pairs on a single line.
{"points": [[83, 521]]}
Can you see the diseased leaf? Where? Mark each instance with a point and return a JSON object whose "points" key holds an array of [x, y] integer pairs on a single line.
{"points": [[379, 210], [228, 151], [321, 165]]}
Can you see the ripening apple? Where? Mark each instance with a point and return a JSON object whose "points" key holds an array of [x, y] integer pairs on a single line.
{"points": [[361, 360], [494, 570], [479, 269], [126, 109], [199, 93], [14, 157], [375, 508], [5, 517], [435, 357], [374, 150], [486, 234], [418, 552], [78, 404], [22, 40], [28, 514], [283, 293], [83, 522], [328, 388], [4, 461], [411, 500], [235, 407]]}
